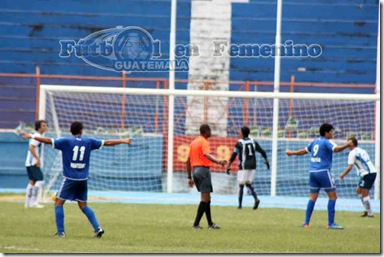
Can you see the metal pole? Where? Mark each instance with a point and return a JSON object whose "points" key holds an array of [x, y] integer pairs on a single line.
{"points": [[377, 106], [276, 100], [123, 101], [172, 43]]}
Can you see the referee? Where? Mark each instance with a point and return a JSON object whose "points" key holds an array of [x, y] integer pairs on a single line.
{"points": [[199, 160]]}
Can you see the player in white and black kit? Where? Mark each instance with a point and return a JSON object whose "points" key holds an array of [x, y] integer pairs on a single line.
{"points": [[33, 166], [246, 148], [359, 158]]}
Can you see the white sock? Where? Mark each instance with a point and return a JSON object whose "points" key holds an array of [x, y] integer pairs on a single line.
{"points": [[367, 205], [362, 201], [28, 195], [34, 194], [39, 185]]}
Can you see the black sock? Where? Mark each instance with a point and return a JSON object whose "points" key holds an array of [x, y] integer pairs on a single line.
{"points": [[208, 213], [252, 191], [200, 211], [241, 191]]}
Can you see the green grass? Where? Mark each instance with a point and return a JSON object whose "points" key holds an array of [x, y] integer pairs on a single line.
{"points": [[132, 228], [10, 193]]}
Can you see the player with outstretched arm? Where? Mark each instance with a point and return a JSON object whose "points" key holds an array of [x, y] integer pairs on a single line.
{"points": [[365, 170], [321, 150], [76, 153]]}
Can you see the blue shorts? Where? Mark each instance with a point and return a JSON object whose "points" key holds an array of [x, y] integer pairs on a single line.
{"points": [[367, 181], [73, 190], [321, 179]]}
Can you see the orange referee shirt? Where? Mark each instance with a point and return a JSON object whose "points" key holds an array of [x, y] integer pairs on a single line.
{"points": [[197, 149]]}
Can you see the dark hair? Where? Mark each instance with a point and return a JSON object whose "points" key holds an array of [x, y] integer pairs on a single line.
{"points": [[325, 128], [38, 124], [245, 131], [354, 141], [204, 128], [76, 128]]}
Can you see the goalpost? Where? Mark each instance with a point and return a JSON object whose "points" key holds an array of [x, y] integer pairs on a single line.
{"points": [[144, 166]]}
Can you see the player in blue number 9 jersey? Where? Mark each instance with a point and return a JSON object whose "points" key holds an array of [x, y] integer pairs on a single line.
{"points": [[321, 150], [76, 153]]}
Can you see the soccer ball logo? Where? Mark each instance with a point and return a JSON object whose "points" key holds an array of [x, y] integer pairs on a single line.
{"points": [[134, 44]]}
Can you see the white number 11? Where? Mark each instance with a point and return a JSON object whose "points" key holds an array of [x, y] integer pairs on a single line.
{"points": [[76, 152]]}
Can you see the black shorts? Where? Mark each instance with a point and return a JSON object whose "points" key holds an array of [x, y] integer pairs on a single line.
{"points": [[34, 173], [367, 181], [202, 179]]}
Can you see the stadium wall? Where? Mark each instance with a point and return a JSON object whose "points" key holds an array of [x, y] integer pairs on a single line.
{"points": [[345, 29]]}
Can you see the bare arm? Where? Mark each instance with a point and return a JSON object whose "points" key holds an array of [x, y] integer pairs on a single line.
{"points": [[346, 171], [189, 168], [45, 140], [113, 142], [342, 147], [298, 152], [213, 159], [189, 171]]}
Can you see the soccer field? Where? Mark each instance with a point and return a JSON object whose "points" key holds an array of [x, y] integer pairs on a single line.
{"points": [[151, 228]]}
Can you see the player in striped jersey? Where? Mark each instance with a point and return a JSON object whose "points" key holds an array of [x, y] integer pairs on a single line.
{"points": [[76, 153], [365, 170], [33, 164], [246, 148], [320, 176]]}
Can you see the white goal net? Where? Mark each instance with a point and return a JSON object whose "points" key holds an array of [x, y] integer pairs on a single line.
{"points": [[109, 113]]}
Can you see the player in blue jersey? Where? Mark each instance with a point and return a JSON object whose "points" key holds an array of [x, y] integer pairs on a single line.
{"points": [[321, 150], [76, 153], [359, 158], [246, 148]]}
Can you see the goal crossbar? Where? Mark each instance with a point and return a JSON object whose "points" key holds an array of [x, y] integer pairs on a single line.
{"points": [[235, 94]]}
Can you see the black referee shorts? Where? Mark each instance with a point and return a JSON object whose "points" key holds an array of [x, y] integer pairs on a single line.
{"points": [[202, 179], [34, 173]]}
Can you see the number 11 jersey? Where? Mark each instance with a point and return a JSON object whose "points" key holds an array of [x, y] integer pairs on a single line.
{"points": [[76, 153]]}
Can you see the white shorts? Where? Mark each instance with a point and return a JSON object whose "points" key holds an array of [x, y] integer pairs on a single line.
{"points": [[245, 176]]}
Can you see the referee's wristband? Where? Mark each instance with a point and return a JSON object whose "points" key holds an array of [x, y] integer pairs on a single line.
{"points": [[189, 177]]}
